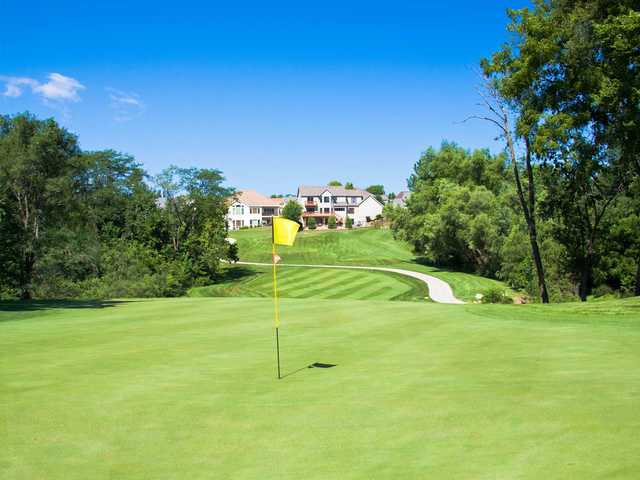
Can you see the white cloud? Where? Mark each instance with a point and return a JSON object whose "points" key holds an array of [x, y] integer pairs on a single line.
{"points": [[14, 86], [58, 88], [126, 105]]}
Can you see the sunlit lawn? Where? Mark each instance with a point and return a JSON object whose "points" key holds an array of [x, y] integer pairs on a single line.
{"points": [[186, 388]]}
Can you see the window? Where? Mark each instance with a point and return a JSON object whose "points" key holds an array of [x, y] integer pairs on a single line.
{"points": [[310, 199], [326, 199], [255, 223], [339, 209], [327, 210], [254, 210], [351, 210], [237, 210], [238, 223]]}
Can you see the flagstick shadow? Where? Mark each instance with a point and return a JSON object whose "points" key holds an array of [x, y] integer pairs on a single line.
{"points": [[312, 365]]}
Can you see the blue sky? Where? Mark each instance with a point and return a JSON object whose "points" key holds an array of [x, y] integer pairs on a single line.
{"points": [[274, 94]]}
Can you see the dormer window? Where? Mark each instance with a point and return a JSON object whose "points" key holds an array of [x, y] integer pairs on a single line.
{"points": [[326, 199]]}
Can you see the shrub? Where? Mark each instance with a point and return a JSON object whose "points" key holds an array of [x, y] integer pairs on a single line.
{"points": [[332, 223], [349, 222], [311, 223], [495, 295]]}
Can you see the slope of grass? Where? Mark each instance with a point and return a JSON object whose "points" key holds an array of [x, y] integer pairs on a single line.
{"points": [[364, 246], [327, 283], [185, 388]]}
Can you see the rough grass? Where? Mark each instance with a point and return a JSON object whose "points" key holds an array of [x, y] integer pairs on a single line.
{"points": [[362, 246], [294, 282], [186, 388]]}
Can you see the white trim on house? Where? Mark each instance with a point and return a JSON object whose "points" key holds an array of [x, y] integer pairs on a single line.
{"points": [[324, 202], [249, 208]]}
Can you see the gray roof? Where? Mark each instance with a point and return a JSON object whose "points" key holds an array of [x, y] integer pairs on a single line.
{"points": [[314, 191]]}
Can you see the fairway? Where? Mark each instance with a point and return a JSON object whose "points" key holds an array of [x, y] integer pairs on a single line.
{"points": [[317, 283], [362, 247], [186, 388]]}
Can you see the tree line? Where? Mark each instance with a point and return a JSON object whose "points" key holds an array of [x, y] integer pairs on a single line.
{"points": [[94, 224], [564, 96]]}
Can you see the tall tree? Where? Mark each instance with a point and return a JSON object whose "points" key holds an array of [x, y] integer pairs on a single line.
{"points": [[36, 172], [571, 73], [334, 183]]}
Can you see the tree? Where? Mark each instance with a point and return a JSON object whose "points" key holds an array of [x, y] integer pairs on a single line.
{"points": [[349, 186], [377, 191], [195, 209], [292, 210], [36, 174], [499, 115], [570, 74], [332, 223], [458, 214], [334, 183]]}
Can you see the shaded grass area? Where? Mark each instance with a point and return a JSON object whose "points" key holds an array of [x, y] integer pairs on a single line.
{"points": [[186, 388], [363, 246], [319, 283]]}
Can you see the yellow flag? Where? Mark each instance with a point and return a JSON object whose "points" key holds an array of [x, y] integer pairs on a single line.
{"points": [[284, 231]]}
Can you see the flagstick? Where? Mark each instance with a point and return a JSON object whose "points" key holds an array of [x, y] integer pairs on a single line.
{"points": [[276, 310]]}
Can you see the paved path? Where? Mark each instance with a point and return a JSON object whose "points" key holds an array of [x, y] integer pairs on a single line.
{"points": [[439, 290]]}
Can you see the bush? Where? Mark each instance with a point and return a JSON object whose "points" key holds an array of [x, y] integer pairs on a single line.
{"points": [[332, 223], [311, 223], [495, 295], [349, 222]]}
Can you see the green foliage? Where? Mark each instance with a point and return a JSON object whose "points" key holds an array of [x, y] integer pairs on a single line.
{"points": [[496, 295], [569, 73], [90, 225], [334, 183], [312, 224], [292, 210], [349, 223], [349, 186], [459, 211], [331, 223], [377, 191]]}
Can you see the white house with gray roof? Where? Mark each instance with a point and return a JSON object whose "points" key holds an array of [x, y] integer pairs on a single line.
{"points": [[327, 201]]}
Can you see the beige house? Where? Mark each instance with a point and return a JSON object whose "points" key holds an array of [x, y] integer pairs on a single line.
{"points": [[249, 208]]}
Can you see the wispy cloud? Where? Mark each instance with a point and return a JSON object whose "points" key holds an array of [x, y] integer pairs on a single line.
{"points": [[57, 89], [14, 86], [126, 105]]}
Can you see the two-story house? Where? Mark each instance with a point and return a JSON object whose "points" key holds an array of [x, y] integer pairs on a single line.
{"points": [[324, 202], [249, 208]]}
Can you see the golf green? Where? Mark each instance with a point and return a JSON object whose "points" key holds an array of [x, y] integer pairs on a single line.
{"points": [[186, 388]]}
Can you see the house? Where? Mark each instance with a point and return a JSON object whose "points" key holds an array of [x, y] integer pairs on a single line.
{"points": [[324, 202], [249, 208], [401, 199]]}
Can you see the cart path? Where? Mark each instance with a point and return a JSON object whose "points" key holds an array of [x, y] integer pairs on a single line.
{"points": [[439, 290]]}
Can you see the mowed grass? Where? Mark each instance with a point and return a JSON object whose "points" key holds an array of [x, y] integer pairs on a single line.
{"points": [[318, 283], [362, 246], [186, 388]]}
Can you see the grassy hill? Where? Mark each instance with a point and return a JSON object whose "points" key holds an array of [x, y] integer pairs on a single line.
{"points": [[327, 283], [365, 246], [186, 388]]}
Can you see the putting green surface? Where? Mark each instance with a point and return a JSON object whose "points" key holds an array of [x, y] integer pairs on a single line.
{"points": [[325, 283], [363, 247], [186, 388]]}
